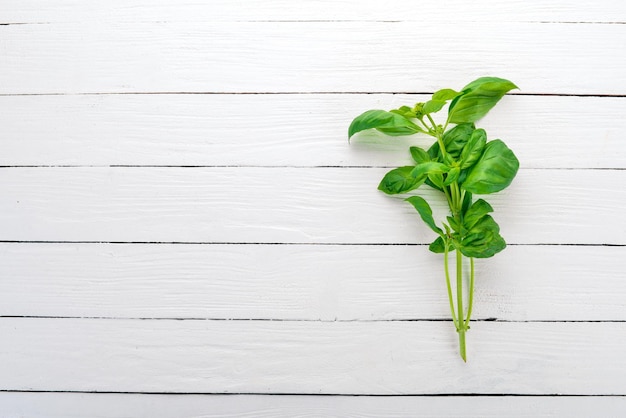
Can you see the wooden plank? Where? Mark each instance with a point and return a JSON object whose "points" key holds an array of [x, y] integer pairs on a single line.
{"points": [[293, 130], [289, 205], [311, 357], [277, 10], [308, 57], [303, 282], [76, 405]]}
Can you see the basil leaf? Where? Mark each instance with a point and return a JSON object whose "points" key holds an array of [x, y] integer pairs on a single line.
{"points": [[467, 202], [439, 247], [452, 176], [419, 155], [454, 140], [494, 171], [400, 180], [433, 106], [445, 94], [386, 122], [474, 148], [483, 240], [475, 213], [435, 180], [454, 224], [430, 167], [405, 111], [434, 152], [477, 98], [425, 212]]}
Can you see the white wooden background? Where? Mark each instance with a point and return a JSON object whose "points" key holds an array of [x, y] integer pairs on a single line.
{"points": [[185, 231]]}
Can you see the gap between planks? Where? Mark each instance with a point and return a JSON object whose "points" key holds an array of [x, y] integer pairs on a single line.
{"points": [[288, 93], [115, 318], [288, 394]]}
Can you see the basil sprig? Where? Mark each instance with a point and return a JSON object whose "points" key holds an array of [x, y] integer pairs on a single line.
{"points": [[461, 163]]}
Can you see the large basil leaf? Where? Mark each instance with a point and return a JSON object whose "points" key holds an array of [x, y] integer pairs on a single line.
{"points": [[387, 122], [423, 208], [400, 180], [494, 171], [483, 240], [477, 98]]}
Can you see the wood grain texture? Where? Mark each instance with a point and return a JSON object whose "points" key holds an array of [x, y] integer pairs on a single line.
{"points": [[304, 282], [292, 130], [311, 357], [308, 57], [289, 205], [37, 11], [74, 405]]}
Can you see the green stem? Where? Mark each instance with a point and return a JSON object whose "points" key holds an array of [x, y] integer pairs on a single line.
{"points": [[459, 302], [471, 294], [445, 267], [432, 121]]}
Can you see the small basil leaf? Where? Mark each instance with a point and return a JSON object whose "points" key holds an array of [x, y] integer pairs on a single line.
{"points": [[433, 106], [423, 208], [434, 152], [474, 148], [467, 202], [387, 122], [419, 155], [438, 246], [477, 98], [494, 170], [454, 224], [445, 94], [452, 176], [405, 111], [429, 167], [475, 213], [400, 180], [435, 180], [454, 139]]}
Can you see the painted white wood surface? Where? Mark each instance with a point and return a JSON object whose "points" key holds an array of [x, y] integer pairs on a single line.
{"points": [[87, 57], [304, 282], [311, 357], [287, 130], [73, 405], [289, 205], [315, 316], [38, 11]]}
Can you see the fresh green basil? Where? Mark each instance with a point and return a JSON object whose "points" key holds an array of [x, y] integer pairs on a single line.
{"points": [[477, 98], [387, 122], [494, 171], [423, 208], [400, 180], [460, 163]]}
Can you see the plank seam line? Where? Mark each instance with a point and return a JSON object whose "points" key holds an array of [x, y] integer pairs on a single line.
{"points": [[313, 394], [17, 166], [399, 244], [113, 318], [391, 21], [271, 93]]}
